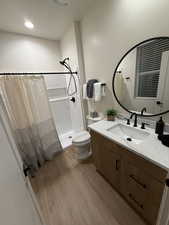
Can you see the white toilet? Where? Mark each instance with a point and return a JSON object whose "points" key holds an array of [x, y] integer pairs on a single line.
{"points": [[81, 142]]}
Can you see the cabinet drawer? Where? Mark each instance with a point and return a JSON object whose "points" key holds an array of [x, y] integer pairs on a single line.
{"points": [[136, 198], [143, 206], [146, 166], [149, 185], [143, 192], [151, 212]]}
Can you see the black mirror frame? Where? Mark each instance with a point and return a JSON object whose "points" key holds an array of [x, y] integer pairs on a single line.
{"points": [[115, 71]]}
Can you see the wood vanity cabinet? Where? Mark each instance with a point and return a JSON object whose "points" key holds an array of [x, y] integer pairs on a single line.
{"points": [[107, 161], [139, 181]]}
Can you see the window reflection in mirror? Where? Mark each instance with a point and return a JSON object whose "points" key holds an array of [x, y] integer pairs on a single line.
{"points": [[148, 64]]}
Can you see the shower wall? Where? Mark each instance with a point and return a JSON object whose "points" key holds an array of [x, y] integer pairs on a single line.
{"points": [[60, 103]]}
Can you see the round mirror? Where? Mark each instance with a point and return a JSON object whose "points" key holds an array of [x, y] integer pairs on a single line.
{"points": [[141, 78]]}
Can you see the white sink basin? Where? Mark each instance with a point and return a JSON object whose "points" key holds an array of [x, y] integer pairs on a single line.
{"points": [[129, 133]]}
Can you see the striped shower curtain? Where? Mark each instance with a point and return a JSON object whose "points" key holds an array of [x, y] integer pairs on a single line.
{"points": [[27, 106]]}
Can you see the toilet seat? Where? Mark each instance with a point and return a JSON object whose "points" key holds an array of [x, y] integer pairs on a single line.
{"points": [[81, 138]]}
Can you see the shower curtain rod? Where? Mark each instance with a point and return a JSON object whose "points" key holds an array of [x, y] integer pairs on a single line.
{"points": [[41, 73]]}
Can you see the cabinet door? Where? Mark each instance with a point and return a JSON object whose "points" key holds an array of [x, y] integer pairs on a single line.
{"points": [[110, 166], [96, 145], [107, 162]]}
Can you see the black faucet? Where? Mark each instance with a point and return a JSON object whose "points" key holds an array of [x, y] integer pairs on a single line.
{"points": [[143, 110], [135, 120]]}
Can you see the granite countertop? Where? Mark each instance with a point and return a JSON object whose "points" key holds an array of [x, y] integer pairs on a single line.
{"points": [[150, 148]]}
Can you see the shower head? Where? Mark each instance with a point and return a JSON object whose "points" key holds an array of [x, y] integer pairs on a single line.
{"points": [[68, 67], [63, 61]]}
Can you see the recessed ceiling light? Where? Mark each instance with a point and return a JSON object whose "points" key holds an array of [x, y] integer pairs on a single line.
{"points": [[29, 24], [61, 2]]}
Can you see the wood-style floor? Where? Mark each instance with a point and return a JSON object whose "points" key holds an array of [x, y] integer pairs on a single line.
{"points": [[73, 193]]}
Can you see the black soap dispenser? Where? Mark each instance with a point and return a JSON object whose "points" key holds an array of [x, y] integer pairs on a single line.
{"points": [[159, 126]]}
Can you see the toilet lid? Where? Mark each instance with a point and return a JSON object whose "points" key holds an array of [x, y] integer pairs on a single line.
{"points": [[81, 136]]}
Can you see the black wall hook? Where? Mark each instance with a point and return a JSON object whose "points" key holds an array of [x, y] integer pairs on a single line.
{"points": [[73, 99]]}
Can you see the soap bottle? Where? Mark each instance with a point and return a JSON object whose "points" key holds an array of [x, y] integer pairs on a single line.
{"points": [[159, 126]]}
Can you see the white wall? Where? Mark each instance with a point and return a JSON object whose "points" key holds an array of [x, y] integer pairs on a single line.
{"points": [[69, 48], [111, 27], [21, 53]]}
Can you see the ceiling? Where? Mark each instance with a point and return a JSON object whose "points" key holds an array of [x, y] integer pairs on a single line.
{"points": [[50, 19]]}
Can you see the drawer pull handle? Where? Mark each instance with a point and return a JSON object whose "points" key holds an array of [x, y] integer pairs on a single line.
{"points": [[117, 164], [138, 182], [167, 182], [134, 200]]}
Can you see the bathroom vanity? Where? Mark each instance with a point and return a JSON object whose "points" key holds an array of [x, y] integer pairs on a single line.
{"points": [[137, 169]]}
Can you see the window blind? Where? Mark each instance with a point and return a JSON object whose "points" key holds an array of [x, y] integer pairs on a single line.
{"points": [[148, 62]]}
